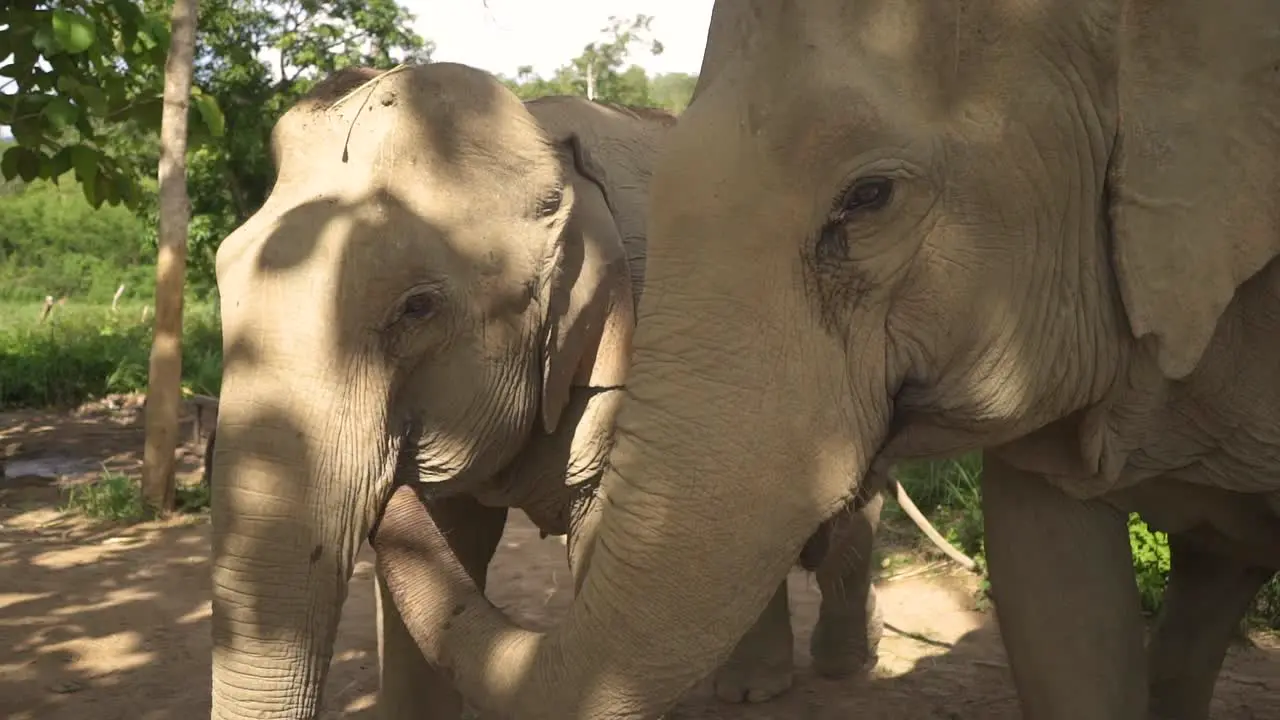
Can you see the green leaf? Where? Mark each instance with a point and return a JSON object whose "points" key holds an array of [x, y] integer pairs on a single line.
{"points": [[60, 163], [147, 113], [107, 189], [43, 40], [125, 190], [84, 125], [67, 84], [129, 13], [61, 112], [90, 189], [85, 160], [74, 32], [21, 162], [28, 131], [207, 105], [94, 98], [9, 164], [144, 40]]}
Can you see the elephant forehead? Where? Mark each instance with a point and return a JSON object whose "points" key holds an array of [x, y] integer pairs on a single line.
{"points": [[449, 127], [870, 75], [382, 237]]}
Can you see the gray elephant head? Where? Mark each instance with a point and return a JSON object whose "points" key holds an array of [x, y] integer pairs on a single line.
{"points": [[433, 276], [887, 229]]}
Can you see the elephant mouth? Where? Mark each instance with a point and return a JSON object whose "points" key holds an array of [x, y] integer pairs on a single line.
{"points": [[418, 464]]}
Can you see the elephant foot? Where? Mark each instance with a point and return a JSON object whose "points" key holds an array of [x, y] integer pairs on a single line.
{"points": [[843, 646], [753, 683]]}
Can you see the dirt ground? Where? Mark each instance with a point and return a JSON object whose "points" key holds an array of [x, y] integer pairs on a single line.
{"points": [[112, 623]]}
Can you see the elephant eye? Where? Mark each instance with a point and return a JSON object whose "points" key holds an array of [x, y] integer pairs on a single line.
{"points": [[869, 193], [550, 203], [418, 306]]}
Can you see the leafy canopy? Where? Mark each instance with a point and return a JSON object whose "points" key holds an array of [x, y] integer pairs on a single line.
{"points": [[78, 68], [600, 72], [257, 58]]}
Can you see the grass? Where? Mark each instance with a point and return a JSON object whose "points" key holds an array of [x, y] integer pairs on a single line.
{"points": [[118, 498], [949, 493], [85, 351]]}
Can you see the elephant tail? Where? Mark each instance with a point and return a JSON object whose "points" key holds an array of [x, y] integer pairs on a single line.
{"points": [[917, 517]]}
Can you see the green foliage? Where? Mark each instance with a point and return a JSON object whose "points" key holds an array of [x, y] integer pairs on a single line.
{"points": [[191, 498], [599, 72], [82, 352], [672, 91], [52, 242], [115, 497], [92, 113], [229, 176], [78, 70], [1150, 551], [1266, 607], [949, 493]]}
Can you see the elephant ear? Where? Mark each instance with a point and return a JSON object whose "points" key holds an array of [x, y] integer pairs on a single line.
{"points": [[1194, 181], [586, 289]]}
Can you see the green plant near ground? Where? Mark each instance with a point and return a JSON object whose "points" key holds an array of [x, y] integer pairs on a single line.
{"points": [[949, 493], [113, 497], [1150, 549], [192, 498], [86, 351], [116, 497]]}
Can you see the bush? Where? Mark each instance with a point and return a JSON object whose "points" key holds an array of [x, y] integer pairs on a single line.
{"points": [[118, 498], [52, 242], [949, 492], [86, 351], [114, 497]]}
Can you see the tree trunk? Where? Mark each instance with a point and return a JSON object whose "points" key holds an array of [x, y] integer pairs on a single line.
{"points": [[165, 376]]}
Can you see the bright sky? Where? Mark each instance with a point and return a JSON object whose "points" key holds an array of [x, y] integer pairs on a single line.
{"points": [[509, 33]]}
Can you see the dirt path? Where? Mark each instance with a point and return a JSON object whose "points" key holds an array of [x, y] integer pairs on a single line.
{"points": [[113, 623]]}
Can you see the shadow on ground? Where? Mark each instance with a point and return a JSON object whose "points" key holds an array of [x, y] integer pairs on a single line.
{"points": [[113, 624]]}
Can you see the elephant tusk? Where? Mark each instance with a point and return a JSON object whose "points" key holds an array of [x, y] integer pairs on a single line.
{"points": [[917, 517]]}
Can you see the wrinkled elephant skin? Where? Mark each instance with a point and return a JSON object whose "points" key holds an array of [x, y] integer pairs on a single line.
{"points": [[439, 289], [440, 292], [886, 230]]}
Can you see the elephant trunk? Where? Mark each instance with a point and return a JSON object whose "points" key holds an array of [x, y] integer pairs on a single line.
{"points": [[290, 510], [746, 425], [693, 537]]}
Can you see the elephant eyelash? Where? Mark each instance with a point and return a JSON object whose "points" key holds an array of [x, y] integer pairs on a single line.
{"points": [[419, 304], [864, 194], [550, 203]]}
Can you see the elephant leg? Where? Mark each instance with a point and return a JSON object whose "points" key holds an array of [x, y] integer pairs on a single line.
{"points": [[760, 667], [847, 634], [1065, 597], [410, 688], [1205, 599]]}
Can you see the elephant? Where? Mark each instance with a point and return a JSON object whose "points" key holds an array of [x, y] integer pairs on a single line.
{"points": [[467, 267], [884, 230]]}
